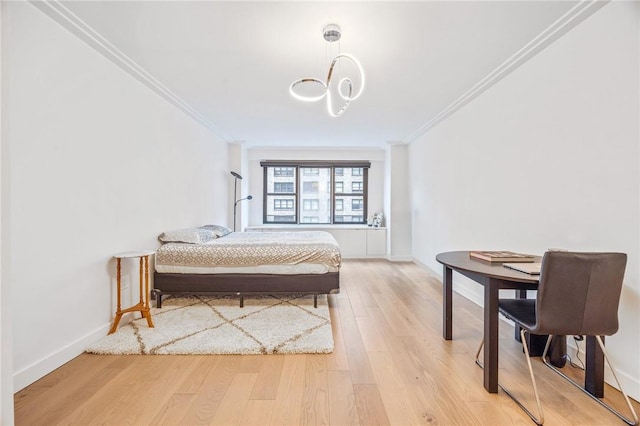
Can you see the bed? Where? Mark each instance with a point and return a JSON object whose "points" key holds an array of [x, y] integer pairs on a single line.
{"points": [[212, 260]]}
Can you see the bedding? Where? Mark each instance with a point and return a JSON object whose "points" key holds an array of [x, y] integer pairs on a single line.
{"points": [[250, 251], [188, 235], [218, 230], [243, 263]]}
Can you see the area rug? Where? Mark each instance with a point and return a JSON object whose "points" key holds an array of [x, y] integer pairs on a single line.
{"points": [[217, 325]]}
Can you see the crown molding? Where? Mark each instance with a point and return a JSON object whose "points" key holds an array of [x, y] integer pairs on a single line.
{"points": [[65, 17], [561, 26]]}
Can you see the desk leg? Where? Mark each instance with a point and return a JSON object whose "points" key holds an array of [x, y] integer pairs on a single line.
{"points": [[447, 297], [594, 370], [491, 288], [520, 294]]}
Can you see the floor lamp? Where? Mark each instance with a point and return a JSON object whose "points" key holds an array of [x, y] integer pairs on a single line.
{"points": [[235, 197]]}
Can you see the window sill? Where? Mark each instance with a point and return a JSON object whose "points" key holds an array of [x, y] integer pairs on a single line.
{"points": [[307, 226]]}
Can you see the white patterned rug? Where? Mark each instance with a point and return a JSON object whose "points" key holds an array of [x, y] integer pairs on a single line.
{"points": [[217, 325]]}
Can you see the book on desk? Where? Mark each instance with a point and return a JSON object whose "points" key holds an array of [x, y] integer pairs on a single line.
{"points": [[501, 256]]}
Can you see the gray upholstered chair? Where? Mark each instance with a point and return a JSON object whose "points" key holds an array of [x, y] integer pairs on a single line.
{"points": [[578, 294]]}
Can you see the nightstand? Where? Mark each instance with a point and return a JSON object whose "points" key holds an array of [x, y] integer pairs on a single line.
{"points": [[143, 305]]}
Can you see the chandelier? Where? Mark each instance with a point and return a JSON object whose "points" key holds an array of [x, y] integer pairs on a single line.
{"points": [[343, 88]]}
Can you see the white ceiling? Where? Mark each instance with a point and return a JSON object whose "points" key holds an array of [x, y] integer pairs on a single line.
{"points": [[232, 62]]}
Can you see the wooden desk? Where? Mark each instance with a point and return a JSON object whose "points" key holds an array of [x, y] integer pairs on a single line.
{"points": [[143, 305], [495, 277]]}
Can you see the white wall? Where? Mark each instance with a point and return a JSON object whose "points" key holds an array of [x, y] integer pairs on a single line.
{"points": [[100, 164], [548, 157], [6, 332], [255, 173], [399, 203], [238, 188]]}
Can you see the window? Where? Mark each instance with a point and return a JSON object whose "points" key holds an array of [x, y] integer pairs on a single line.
{"points": [[280, 195], [283, 187], [315, 191], [348, 219], [283, 171], [311, 171], [310, 186], [287, 219], [310, 204], [280, 204]]}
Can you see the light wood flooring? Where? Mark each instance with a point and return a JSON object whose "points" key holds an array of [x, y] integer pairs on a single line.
{"points": [[390, 367]]}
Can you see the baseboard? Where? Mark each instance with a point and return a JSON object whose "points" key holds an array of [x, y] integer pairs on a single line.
{"points": [[425, 267], [462, 288], [630, 384], [46, 365], [400, 259], [380, 256], [364, 257]]}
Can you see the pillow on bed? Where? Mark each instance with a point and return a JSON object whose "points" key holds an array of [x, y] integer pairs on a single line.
{"points": [[218, 230], [188, 235]]}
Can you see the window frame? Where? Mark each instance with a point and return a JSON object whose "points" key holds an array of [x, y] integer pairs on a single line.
{"points": [[339, 169]]}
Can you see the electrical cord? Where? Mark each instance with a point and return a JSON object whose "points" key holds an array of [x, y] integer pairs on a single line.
{"points": [[576, 339]]}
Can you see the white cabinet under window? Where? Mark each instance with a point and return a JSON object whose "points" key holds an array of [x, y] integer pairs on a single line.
{"points": [[354, 241], [376, 242]]}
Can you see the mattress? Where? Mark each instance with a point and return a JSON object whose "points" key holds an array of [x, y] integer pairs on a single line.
{"points": [[310, 252]]}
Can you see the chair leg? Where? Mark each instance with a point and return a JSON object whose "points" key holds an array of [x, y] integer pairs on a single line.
{"points": [[633, 422], [538, 420], [478, 353]]}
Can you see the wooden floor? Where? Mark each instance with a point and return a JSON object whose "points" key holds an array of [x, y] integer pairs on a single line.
{"points": [[390, 367]]}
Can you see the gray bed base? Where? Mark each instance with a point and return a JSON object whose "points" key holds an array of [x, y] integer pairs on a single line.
{"points": [[243, 285]]}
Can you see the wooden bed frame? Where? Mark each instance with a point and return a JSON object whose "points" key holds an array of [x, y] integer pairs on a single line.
{"points": [[243, 285]]}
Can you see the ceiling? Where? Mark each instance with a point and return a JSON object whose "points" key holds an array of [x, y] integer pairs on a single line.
{"points": [[231, 63]]}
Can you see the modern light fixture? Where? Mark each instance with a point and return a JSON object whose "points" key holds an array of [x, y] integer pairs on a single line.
{"points": [[344, 87], [235, 197]]}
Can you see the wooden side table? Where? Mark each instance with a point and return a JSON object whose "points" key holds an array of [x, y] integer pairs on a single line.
{"points": [[143, 305]]}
